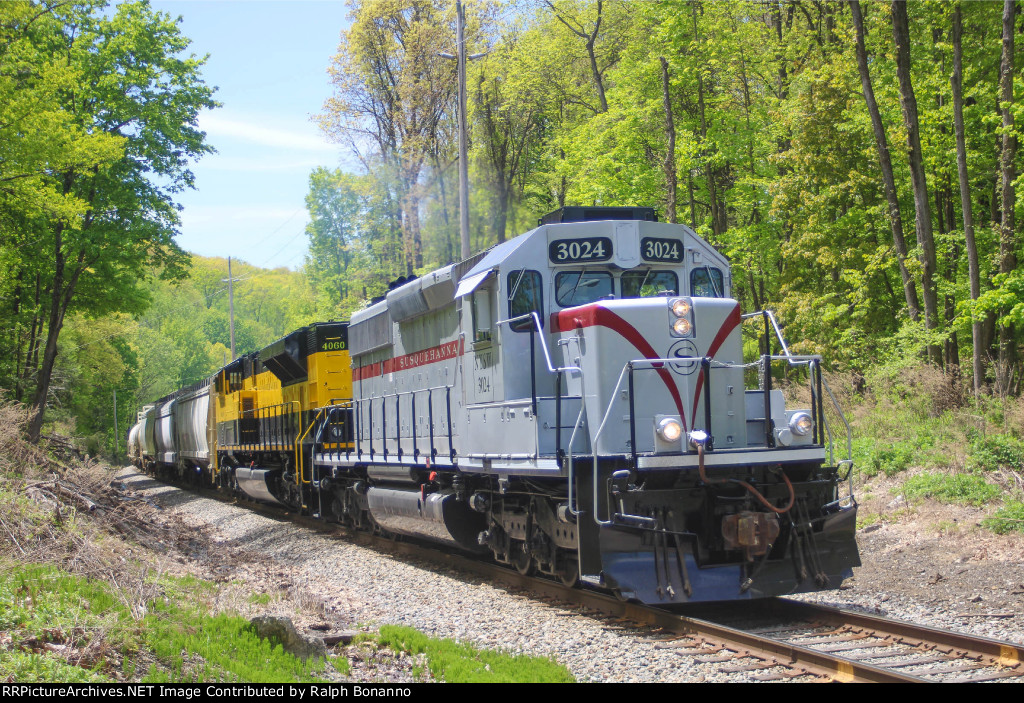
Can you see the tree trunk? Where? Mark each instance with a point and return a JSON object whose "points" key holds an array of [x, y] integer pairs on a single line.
{"points": [[670, 152], [693, 205], [1007, 258], [590, 41], [499, 219], [60, 298], [449, 247], [885, 162], [973, 269], [922, 208]]}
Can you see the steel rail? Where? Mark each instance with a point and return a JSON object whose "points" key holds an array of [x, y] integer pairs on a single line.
{"points": [[800, 660]]}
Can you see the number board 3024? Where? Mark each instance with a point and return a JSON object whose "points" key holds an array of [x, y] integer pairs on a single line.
{"points": [[564, 251], [666, 250]]}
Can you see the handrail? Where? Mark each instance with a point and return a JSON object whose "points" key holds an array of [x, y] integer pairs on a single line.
{"points": [[708, 364], [330, 408], [265, 413], [397, 395], [775, 323], [798, 360], [543, 344], [299, 464], [849, 433], [583, 405]]}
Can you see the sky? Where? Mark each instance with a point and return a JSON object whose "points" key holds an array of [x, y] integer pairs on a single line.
{"points": [[268, 60]]}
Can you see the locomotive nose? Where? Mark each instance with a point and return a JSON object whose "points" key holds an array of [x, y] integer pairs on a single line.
{"points": [[624, 348]]}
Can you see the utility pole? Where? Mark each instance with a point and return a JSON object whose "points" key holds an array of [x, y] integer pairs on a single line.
{"points": [[231, 306], [460, 28], [460, 42]]}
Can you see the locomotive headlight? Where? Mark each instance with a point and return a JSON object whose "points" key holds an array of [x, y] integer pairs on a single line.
{"points": [[801, 424], [682, 327], [669, 429], [681, 308], [681, 320]]}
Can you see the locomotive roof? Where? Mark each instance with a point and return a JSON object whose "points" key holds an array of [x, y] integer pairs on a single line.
{"points": [[468, 274], [499, 254]]}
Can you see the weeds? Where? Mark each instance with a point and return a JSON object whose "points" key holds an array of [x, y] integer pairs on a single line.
{"points": [[971, 489], [907, 417], [1009, 518], [995, 452], [452, 661], [868, 519]]}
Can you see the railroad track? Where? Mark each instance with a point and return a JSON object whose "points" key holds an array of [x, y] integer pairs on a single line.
{"points": [[779, 639], [774, 639]]}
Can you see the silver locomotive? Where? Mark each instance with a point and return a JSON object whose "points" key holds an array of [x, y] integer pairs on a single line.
{"points": [[576, 401]]}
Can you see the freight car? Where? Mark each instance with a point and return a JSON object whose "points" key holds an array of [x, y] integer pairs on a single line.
{"points": [[573, 401]]}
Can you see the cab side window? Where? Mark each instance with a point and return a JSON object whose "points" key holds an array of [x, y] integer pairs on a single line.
{"points": [[481, 302], [707, 282], [525, 295]]}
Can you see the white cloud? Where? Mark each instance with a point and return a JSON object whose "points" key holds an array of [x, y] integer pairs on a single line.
{"points": [[217, 162], [304, 138]]}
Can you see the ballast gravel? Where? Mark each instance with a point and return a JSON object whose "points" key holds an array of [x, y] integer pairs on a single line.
{"points": [[353, 587]]}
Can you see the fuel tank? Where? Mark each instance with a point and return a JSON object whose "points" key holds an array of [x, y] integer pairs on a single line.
{"points": [[439, 517]]}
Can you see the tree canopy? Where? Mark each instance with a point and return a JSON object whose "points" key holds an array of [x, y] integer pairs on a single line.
{"points": [[814, 143], [98, 129]]}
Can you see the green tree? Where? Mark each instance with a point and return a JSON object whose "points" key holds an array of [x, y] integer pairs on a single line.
{"points": [[125, 105], [392, 90]]}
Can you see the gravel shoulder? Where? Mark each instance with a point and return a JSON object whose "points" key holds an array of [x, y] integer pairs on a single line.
{"points": [[944, 571], [932, 562]]}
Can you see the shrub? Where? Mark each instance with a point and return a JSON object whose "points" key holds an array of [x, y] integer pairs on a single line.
{"points": [[890, 459], [1009, 518], [994, 452]]}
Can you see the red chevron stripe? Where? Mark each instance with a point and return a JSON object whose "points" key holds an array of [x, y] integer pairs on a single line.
{"points": [[598, 316]]}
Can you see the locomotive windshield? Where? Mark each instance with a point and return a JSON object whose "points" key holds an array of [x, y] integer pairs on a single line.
{"points": [[649, 283], [581, 287]]}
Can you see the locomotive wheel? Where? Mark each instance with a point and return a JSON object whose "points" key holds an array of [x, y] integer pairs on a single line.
{"points": [[568, 572], [521, 559]]}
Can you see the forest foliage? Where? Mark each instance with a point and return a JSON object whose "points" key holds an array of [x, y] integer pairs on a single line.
{"points": [[858, 163], [98, 111], [814, 143]]}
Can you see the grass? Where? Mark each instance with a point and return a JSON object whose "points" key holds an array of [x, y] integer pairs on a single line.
{"points": [[456, 662], [970, 489], [866, 519], [27, 667], [261, 599], [214, 648], [71, 628], [66, 627]]}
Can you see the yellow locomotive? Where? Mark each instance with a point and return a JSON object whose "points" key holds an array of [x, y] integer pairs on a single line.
{"points": [[251, 425]]}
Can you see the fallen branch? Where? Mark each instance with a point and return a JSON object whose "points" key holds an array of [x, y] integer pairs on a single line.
{"points": [[78, 498], [11, 534]]}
